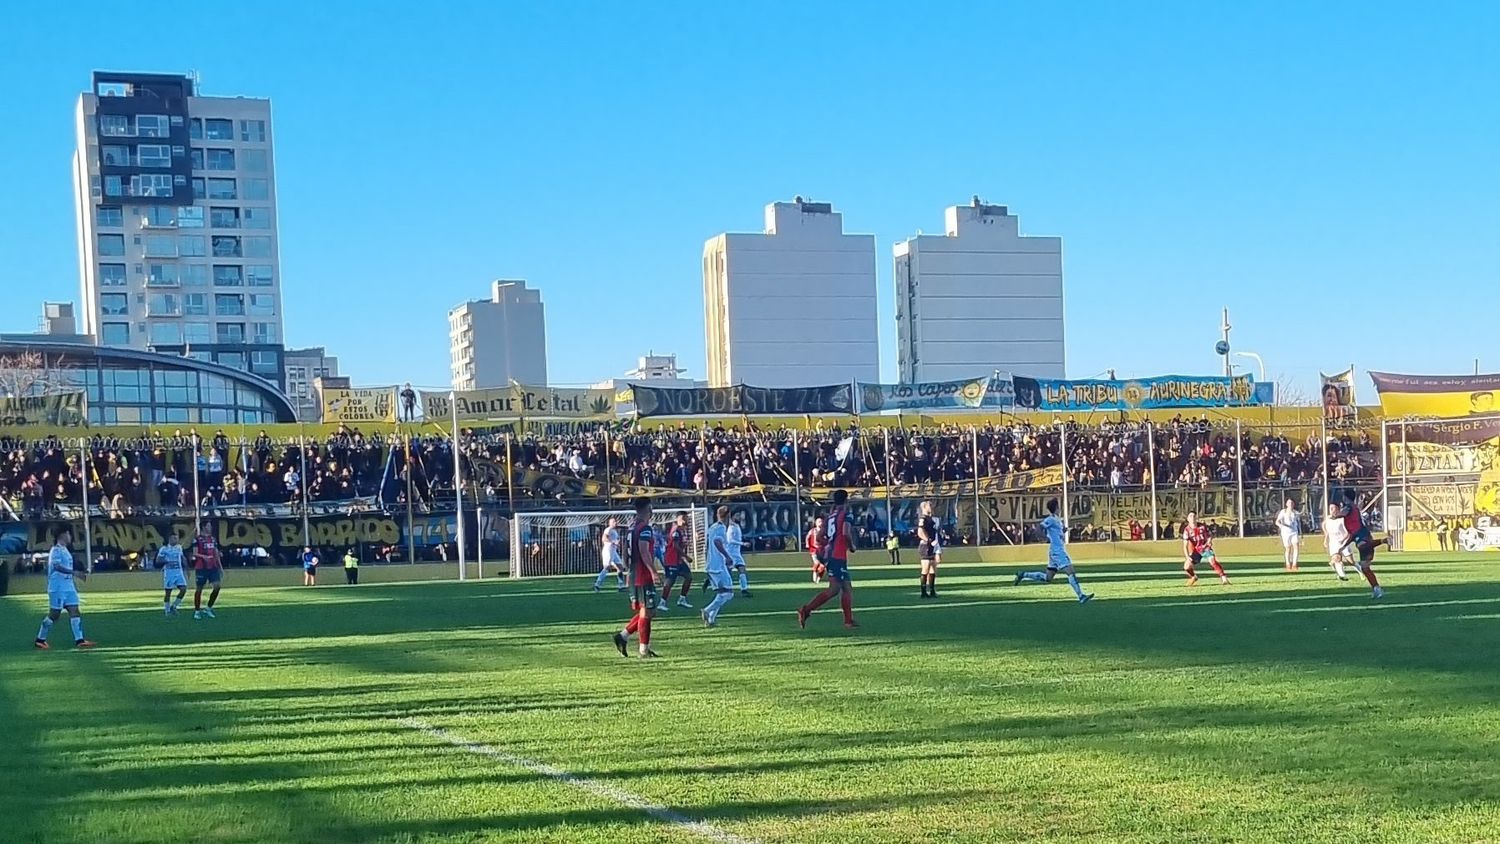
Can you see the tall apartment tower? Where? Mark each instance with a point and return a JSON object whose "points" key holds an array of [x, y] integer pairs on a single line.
{"points": [[176, 204], [793, 306], [981, 297], [495, 341]]}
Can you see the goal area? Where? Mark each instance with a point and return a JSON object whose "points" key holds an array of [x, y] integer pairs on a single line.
{"points": [[552, 543]]}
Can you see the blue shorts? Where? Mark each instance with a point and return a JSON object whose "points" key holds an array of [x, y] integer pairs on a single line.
{"points": [[838, 569], [203, 577], [678, 572]]}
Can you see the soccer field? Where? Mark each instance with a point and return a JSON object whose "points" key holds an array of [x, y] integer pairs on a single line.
{"points": [[1282, 708]]}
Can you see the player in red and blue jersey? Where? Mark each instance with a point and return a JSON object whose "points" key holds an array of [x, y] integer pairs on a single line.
{"points": [[640, 555], [1363, 540], [1198, 546], [836, 553], [677, 563]]}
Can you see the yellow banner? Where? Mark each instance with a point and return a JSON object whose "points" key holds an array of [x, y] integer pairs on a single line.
{"points": [[63, 410], [1445, 396], [520, 400], [376, 404], [1421, 458]]}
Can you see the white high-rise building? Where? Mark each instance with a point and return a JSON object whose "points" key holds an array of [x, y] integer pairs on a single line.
{"points": [[793, 306], [495, 341], [176, 215], [979, 298]]}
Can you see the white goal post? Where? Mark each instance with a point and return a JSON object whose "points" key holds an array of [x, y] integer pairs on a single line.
{"points": [[550, 543]]}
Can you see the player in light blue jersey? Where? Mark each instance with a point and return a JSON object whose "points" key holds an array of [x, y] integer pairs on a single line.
{"points": [[170, 559], [1057, 556], [61, 593]]}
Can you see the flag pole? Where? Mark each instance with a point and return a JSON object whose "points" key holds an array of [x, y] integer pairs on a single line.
{"points": [[458, 487]]}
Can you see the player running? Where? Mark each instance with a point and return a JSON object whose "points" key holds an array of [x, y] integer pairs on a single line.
{"points": [[815, 543], [1336, 537], [736, 545], [836, 554], [1289, 521], [1057, 556], [1198, 546], [717, 570], [677, 563], [610, 562], [929, 548], [169, 559], [644, 577], [1362, 540], [61, 593], [208, 569]]}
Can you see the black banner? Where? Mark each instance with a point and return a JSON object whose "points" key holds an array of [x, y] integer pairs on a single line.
{"points": [[1452, 432], [743, 400]]}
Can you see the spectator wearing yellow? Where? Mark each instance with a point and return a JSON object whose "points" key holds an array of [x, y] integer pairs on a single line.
{"points": [[351, 567]]}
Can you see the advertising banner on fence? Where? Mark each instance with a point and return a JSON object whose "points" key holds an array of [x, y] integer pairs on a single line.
{"points": [[924, 396], [1422, 458], [520, 400], [1166, 391], [742, 400], [1218, 507], [63, 410], [365, 404], [1447, 396], [1337, 397], [1456, 431]]}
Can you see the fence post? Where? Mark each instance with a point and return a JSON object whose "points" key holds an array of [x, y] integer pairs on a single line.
{"points": [[306, 524], [890, 513], [1385, 478], [796, 485], [197, 492], [1405, 481], [458, 488], [510, 483], [411, 528], [1323, 435], [608, 447], [88, 538], [1151, 469], [1239, 475], [974, 449], [479, 536], [1063, 455]]}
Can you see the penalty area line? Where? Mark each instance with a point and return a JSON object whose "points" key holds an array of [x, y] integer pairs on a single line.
{"points": [[594, 787]]}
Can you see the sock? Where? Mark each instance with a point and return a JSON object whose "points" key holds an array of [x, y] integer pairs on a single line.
{"points": [[666, 592], [1192, 571], [1338, 568], [1370, 577], [41, 635], [1033, 577], [212, 597], [932, 583], [166, 603], [77, 623], [1218, 569], [633, 626], [717, 605], [846, 601], [645, 631], [744, 581], [197, 599], [818, 600], [1073, 582], [599, 581], [687, 585], [922, 579], [1295, 554]]}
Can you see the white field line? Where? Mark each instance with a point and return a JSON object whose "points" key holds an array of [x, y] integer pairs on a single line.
{"points": [[594, 787]]}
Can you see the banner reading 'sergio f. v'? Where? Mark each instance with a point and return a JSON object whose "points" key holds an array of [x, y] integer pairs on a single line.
{"points": [[1164, 391], [742, 400]]}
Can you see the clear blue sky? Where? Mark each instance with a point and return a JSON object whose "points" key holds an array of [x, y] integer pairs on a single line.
{"points": [[1276, 158]]}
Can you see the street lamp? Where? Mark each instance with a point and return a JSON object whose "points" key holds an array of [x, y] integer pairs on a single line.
{"points": [[1257, 359]]}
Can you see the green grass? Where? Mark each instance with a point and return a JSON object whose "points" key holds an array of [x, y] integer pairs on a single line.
{"points": [[1284, 708]]}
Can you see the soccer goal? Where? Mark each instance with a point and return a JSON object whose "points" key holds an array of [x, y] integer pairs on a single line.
{"points": [[546, 544]]}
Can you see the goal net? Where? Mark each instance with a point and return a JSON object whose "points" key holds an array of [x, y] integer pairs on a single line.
{"points": [[546, 544]]}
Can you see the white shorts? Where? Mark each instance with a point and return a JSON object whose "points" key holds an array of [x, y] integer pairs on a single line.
{"points": [[610, 560], [738, 562], [62, 596], [173, 579], [719, 579], [1058, 562], [1289, 540], [1347, 553]]}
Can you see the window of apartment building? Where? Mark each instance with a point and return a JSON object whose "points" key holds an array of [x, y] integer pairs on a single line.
{"points": [[257, 218], [253, 131], [195, 275], [152, 125], [111, 244], [197, 157], [162, 275], [161, 246], [222, 189], [219, 159], [159, 216], [262, 304], [114, 304], [229, 304], [263, 363], [114, 186], [151, 184], [224, 218], [218, 129], [257, 189], [115, 156], [153, 155], [115, 333], [114, 126], [111, 275], [166, 334], [199, 190], [192, 246], [230, 332], [195, 304], [263, 332], [195, 128], [226, 246], [228, 275], [164, 304], [233, 360], [197, 332], [254, 160], [109, 215], [260, 275], [257, 247], [189, 217]]}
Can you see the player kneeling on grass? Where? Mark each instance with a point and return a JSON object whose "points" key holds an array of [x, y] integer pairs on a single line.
{"points": [[61, 593], [1198, 546], [836, 557], [677, 563], [645, 575], [717, 570], [169, 559], [1057, 556]]}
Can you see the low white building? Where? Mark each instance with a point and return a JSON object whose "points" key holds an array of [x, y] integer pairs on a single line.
{"points": [[793, 306], [652, 370], [980, 297]]}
